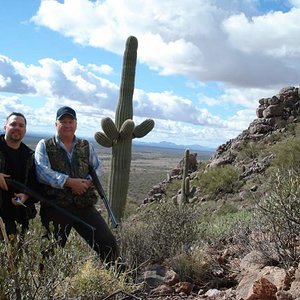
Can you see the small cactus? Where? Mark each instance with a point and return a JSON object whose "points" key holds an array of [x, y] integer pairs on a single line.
{"points": [[119, 135], [185, 186]]}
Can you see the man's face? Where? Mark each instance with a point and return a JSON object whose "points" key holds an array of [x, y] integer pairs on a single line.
{"points": [[15, 128], [66, 126]]}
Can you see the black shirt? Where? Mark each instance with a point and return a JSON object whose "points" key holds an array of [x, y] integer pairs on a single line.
{"points": [[15, 166]]}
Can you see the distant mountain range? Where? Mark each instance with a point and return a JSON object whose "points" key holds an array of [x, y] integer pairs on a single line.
{"points": [[164, 144]]}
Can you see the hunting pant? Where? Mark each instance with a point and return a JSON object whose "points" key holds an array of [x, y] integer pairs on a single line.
{"points": [[13, 227], [101, 239]]}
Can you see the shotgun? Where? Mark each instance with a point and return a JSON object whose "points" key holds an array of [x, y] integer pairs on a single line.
{"points": [[101, 192], [24, 189]]}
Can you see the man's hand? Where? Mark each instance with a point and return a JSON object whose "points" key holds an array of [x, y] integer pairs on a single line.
{"points": [[22, 198], [78, 185], [3, 184]]}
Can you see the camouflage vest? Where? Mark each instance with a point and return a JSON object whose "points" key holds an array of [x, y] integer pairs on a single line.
{"points": [[77, 168]]}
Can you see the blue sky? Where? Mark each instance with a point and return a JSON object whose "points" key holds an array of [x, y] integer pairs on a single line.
{"points": [[202, 64]]}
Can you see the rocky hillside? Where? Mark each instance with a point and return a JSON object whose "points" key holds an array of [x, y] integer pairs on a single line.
{"points": [[250, 153], [273, 117], [247, 161]]}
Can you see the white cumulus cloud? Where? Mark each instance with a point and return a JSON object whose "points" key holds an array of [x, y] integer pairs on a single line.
{"points": [[226, 41]]}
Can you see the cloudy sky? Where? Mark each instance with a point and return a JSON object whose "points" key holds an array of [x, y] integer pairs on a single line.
{"points": [[202, 64]]}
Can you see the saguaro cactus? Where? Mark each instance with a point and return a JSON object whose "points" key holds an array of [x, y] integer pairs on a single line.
{"points": [[119, 135], [185, 185]]}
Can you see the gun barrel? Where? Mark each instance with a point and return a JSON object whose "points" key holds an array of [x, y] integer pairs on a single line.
{"points": [[101, 192], [24, 189]]}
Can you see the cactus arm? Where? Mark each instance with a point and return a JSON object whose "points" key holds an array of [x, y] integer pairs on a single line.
{"points": [[144, 128], [103, 140], [110, 128], [126, 130]]}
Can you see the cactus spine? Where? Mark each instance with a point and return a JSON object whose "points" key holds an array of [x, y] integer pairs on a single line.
{"points": [[185, 185], [119, 135]]}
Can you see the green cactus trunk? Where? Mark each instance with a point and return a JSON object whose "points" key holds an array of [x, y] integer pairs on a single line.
{"points": [[119, 135], [121, 151], [185, 186], [119, 177]]}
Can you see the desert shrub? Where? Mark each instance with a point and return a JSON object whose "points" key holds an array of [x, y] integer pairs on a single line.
{"points": [[219, 229], [198, 266], [249, 150], [273, 138], [287, 154], [93, 281], [172, 188], [188, 238], [202, 165], [159, 231], [293, 129], [279, 136], [227, 209], [218, 234], [223, 179], [21, 276], [278, 219]]}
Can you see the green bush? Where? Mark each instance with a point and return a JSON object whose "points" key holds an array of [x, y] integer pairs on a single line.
{"points": [[278, 219], [159, 231], [287, 154], [92, 281], [172, 188], [222, 179], [217, 233], [221, 228], [21, 276], [198, 266], [249, 150]]}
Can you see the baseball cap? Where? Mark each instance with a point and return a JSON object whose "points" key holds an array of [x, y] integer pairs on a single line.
{"points": [[65, 110]]}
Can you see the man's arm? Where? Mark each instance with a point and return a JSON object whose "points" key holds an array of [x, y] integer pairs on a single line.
{"points": [[95, 161]]}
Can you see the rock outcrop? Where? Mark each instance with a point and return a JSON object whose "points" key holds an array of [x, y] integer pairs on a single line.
{"points": [[273, 115]]}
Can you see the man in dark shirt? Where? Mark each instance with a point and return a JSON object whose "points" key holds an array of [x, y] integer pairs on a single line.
{"points": [[16, 162]]}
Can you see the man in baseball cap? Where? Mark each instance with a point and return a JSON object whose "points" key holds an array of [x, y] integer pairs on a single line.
{"points": [[65, 110], [62, 165]]}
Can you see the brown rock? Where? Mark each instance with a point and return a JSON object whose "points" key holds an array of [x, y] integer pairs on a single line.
{"points": [[162, 290], [259, 112], [295, 285], [283, 295], [183, 287], [273, 111], [171, 278], [263, 289], [276, 276]]}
